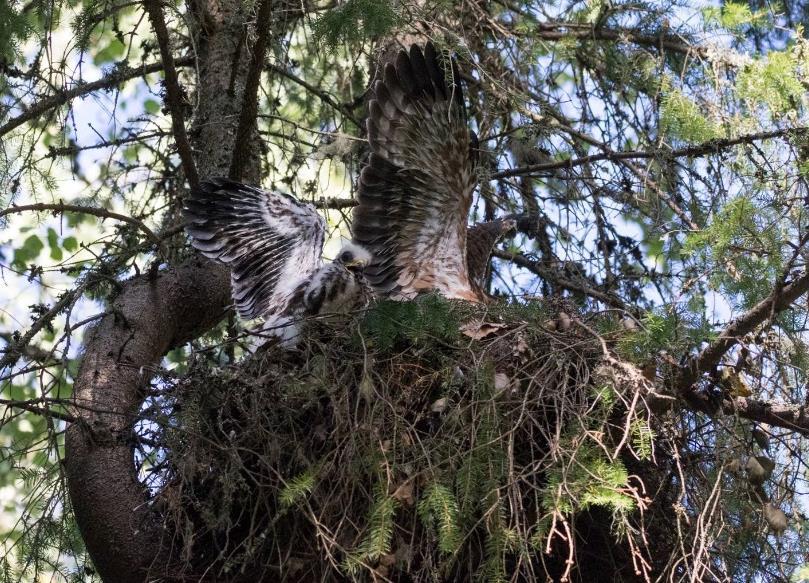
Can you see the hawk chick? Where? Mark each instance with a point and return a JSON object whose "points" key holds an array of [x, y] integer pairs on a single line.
{"points": [[273, 245]]}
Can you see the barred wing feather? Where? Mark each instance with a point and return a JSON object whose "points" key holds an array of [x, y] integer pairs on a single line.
{"points": [[271, 241], [415, 193]]}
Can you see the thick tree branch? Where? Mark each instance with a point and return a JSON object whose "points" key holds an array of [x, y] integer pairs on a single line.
{"points": [[247, 119], [791, 417], [149, 317], [174, 96], [121, 74]]}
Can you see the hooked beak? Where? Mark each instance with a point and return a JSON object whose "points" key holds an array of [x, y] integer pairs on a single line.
{"points": [[355, 264]]}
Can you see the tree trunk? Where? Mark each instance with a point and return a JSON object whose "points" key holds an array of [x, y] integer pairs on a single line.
{"points": [[151, 315]]}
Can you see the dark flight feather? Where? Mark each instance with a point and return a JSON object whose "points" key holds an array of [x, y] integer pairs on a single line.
{"points": [[270, 241], [416, 191]]}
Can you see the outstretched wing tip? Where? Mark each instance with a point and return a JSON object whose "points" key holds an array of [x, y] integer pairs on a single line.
{"points": [[265, 237], [415, 189]]}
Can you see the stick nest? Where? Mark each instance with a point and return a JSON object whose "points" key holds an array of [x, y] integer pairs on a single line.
{"points": [[427, 440]]}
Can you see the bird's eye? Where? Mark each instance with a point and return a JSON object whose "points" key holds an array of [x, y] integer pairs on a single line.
{"points": [[346, 256]]}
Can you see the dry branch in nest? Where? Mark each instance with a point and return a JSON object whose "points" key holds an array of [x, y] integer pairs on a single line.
{"points": [[427, 441]]}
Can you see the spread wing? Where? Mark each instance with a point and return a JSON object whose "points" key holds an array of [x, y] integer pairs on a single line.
{"points": [[270, 241], [415, 193]]}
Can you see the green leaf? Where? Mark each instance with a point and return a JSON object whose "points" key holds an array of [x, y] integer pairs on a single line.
{"points": [[589, 479], [28, 251], [151, 106], [70, 244], [53, 243], [112, 52], [131, 153]]}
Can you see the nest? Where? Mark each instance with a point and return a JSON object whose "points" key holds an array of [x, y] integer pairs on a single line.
{"points": [[428, 440]]}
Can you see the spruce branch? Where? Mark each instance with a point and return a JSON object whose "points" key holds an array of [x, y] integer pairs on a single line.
{"points": [[118, 76], [344, 109], [15, 349], [553, 275], [38, 407], [706, 148], [87, 210], [553, 31]]}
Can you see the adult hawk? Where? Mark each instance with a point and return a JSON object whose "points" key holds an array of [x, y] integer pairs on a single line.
{"points": [[273, 245], [416, 191]]}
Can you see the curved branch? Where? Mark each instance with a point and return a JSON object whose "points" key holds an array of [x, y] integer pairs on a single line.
{"points": [[149, 317], [779, 300]]}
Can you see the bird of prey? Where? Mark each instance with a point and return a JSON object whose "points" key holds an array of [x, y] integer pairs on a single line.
{"points": [[273, 245], [409, 227], [415, 193]]}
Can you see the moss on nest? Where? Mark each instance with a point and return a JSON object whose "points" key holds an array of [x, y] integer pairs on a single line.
{"points": [[429, 440]]}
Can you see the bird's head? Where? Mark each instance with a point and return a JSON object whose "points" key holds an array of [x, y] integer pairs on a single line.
{"points": [[354, 257]]}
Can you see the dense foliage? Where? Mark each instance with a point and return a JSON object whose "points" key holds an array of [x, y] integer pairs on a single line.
{"points": [[657, 156]]}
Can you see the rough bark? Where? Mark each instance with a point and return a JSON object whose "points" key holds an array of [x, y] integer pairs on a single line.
{"points": [[221, 33], [151, 315]]}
